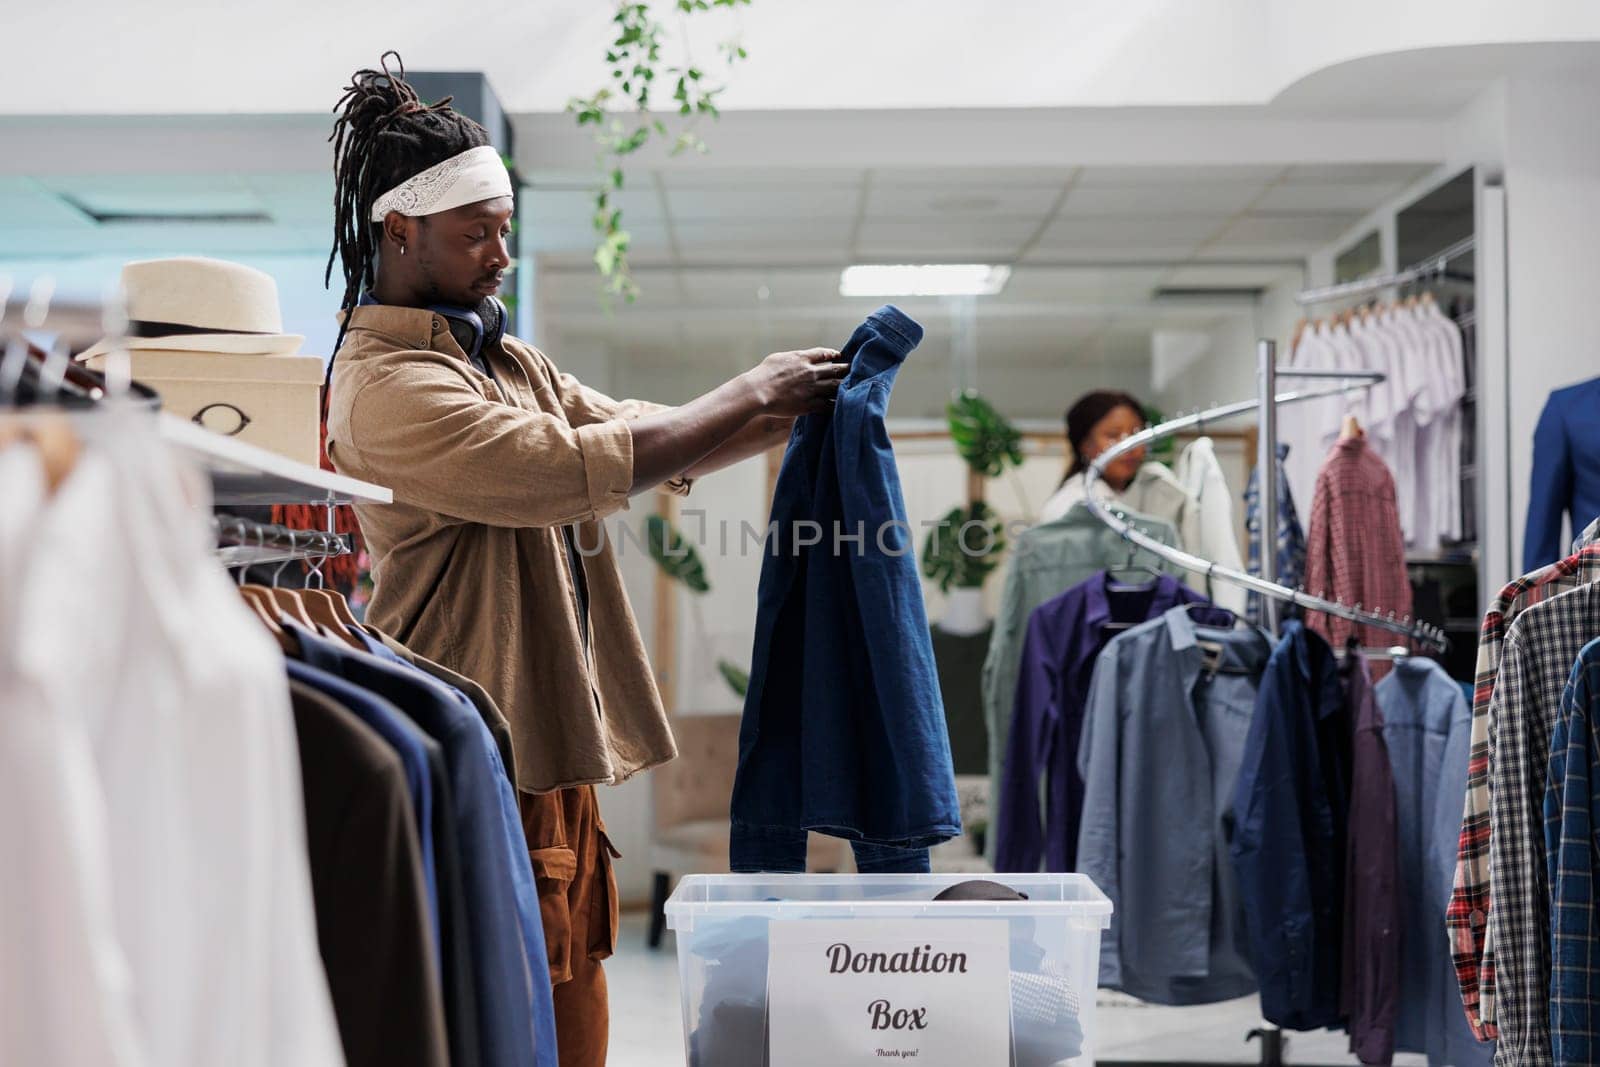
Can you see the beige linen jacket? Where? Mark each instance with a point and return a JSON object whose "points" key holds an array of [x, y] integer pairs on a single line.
{"points": [[469, 561]]}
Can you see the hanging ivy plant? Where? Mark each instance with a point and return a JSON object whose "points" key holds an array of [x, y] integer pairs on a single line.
{"points": [[624, 122]]}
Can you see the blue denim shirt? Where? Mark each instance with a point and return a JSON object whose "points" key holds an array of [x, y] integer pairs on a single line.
{"points": [[509, 1035], [1289, 541], [1427, 728], [1290, 835], [1162, 742], [843, 729], [1065, 637]]}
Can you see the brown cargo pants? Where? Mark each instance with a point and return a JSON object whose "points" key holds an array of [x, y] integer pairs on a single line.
{"points": [[578, 903]]}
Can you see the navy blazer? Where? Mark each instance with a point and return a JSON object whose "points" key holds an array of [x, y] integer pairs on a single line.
{"points": [[1566, 472], [843, 728], [1290, 831]]}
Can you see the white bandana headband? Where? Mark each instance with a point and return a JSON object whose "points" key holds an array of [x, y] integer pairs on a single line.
{"points": [[474, 175]]}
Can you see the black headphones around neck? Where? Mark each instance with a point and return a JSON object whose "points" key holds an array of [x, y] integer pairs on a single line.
{"points": [[474, 327]]}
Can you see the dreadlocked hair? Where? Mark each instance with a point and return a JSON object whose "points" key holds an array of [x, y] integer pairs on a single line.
{"points": [[384, 134]]}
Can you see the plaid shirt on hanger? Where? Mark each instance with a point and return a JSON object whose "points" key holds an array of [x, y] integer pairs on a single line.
{"points": [[1355, 551], [1537, 660], [1466, 919], [1571, 814], [1290, 541]]}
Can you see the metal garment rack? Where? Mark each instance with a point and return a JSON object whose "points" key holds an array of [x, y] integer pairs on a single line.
{"points": [[244, 542], [1434, 266], [1266, 403]]}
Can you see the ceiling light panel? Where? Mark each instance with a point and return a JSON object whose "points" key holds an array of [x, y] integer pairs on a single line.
{"points": [[928, 279]]}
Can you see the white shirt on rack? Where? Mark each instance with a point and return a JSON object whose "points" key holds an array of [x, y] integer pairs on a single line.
{"points": [[1443, 445], [1392, 416], [186, 709], [1215, 536], [1301, 425], [66, 991]]}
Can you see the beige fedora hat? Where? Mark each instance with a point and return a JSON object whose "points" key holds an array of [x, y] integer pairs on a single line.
{"points": [[194, 304]]}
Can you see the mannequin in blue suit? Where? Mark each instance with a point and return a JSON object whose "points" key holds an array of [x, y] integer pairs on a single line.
{"points": [[1566, 472]]}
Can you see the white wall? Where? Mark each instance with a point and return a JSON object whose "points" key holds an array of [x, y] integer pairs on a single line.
{"points": [[1552, 180], [1536, 135], [1227, 372], [627, 808]]}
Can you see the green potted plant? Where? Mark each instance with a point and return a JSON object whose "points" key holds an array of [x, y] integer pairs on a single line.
{"points": [[965, 548]]}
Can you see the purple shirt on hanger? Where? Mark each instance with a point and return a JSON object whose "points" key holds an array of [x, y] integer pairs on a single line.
{"points": [[1370, 990], [1064, 638]]}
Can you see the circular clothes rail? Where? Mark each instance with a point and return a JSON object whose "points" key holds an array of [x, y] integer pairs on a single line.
{"points": [[1421, 633]]}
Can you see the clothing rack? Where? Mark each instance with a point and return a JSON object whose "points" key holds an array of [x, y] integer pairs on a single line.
{"points": [[1434, 266], [244, 542], [1414, 630], [1266, 404]]}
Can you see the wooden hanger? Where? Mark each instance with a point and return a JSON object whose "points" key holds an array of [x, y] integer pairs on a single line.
{"points": [[267, 611], [53, 439], [290, 604], [323, 606], [261, 608], [1350, 429], [287, 600]]}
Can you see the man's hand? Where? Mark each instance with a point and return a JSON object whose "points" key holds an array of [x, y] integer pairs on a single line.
{"points": [[743, 416], [798, 383]]}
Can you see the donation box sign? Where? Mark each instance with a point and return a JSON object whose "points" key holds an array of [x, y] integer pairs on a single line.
{"points": [[857, 992]]}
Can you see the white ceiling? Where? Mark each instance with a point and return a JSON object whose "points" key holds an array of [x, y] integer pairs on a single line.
{"points": [[692, 220], [732, 262]]}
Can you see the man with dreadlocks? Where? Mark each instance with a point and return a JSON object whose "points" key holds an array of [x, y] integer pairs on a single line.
{"points": [[492, 560]]}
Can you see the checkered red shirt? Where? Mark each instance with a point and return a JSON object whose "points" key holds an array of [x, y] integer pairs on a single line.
{"points": [[1467, 918], [1355, 552]]}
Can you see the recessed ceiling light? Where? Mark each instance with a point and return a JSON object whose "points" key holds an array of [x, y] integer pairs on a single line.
{"points": [[928, 279]]}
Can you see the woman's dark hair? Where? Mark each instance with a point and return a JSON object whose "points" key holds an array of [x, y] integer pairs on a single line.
{"points": [[384, 134], [1089, 410]]}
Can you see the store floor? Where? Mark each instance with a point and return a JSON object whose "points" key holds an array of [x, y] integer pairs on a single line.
{"points": [[647, 1029]]}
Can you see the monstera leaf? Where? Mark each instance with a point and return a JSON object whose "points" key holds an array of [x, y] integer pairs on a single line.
{"points": [[675, 555], [737, 678], [953, 554], [982, 435]]}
